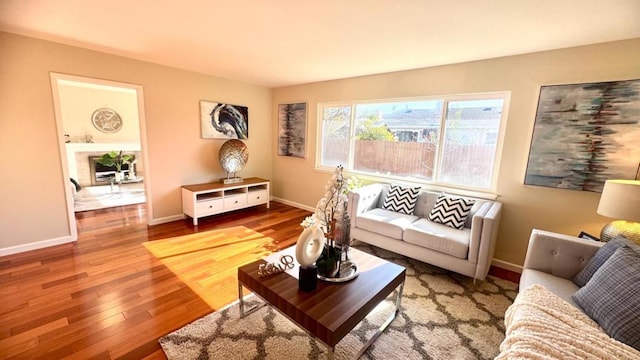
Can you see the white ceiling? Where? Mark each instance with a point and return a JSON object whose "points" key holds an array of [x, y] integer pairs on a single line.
{"points": [[284, 42]]}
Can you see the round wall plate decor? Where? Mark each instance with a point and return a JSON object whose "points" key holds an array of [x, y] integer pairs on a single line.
{"points": [[106, 120]]}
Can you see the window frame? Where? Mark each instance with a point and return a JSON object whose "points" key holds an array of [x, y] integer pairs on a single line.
{"points": [[505, 96]]}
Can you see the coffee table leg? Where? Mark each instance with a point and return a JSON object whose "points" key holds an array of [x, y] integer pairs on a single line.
{"points": [[382, 328], [330, 352], [252, 309]]}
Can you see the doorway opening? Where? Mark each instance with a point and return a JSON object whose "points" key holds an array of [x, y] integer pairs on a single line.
{"points": [[96, 117]]}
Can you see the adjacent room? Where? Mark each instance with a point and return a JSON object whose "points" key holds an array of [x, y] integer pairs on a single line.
{"points": [[313, 180]]}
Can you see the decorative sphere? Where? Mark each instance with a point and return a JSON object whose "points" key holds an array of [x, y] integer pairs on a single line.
{"points": [[233, 155]]}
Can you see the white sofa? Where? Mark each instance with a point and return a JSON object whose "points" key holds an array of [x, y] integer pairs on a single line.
{"points": [[545, 322], [468, 251], [553, 259]]}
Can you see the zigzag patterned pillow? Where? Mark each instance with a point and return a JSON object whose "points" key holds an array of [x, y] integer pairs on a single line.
{"points": [[451, 211], [401, 199]]}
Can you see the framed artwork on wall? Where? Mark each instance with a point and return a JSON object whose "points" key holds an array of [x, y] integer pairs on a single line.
{"points": [[585, 134], [588, 236], [292, 129], [223, 121]]}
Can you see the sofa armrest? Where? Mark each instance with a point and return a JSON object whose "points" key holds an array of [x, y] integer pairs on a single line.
{"points": [[363, 199], [558, 254], [488, 234]]}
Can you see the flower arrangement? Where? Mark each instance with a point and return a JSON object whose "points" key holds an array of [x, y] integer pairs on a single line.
{"points": [[330, 217], [334, 202]]}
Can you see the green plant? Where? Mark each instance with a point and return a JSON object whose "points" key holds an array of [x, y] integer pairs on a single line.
{"points": [[372, 130], [116, 159]]}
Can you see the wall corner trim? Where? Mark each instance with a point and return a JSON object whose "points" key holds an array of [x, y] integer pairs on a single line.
{"points": [[506, 265], [166, 219], [36, 245]]}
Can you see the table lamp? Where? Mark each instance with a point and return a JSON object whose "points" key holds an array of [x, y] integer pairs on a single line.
{"points": [[620, 199]]}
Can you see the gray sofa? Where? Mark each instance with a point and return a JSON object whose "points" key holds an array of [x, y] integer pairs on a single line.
{"points": [[468, 251]]}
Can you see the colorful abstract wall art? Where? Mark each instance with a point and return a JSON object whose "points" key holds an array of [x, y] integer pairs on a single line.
{"points": [[585, 134]]}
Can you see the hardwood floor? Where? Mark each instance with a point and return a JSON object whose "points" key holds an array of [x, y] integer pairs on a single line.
{"points": [[123, 285]]}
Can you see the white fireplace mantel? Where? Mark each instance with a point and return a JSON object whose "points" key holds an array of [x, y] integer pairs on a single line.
{"points": [[74, 148]]}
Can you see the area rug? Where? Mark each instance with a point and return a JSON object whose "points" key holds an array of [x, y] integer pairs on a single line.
{"points": [[105, 196], [443, 316]]}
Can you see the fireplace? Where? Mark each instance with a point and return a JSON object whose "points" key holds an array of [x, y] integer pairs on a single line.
{"points": [[101, 174]]}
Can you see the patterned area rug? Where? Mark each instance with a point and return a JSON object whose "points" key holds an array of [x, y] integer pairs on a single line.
{"points": [[443, 316], [104, 196]]}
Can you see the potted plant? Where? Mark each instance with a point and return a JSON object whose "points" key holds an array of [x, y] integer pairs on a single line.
{"points": [[116, 159]]}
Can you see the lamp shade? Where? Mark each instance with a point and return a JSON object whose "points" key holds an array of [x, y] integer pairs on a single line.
{"points": [[620, 199]]}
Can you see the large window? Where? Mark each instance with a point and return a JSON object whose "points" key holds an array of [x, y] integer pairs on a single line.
{"points": [[452, 140]]}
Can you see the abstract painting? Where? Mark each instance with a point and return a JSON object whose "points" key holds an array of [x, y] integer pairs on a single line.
{"points": [[585, 134], [224, 121], [292, 129]]}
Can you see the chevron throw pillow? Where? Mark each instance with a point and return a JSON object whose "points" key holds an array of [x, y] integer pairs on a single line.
{"points": [[451, 211], [401, 199]]}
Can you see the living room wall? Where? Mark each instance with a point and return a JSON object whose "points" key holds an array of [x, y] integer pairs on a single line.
{"points": [[79, 103], [525, 207], [33, 212]]}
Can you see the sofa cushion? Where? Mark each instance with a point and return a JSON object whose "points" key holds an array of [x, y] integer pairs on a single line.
{"points": [[438, 237], [603, 254], [611, 296], [401, 199], [563, 288], [451, 211], [385, 222], [425, 202]]}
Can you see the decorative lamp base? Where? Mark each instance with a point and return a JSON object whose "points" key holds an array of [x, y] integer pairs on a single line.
{"points": [[232, 180], [628, 229], [307, 278]]}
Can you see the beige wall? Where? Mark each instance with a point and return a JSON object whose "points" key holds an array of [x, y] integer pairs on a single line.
{"points": [[77, 104], [33, 206], [525, 207]]}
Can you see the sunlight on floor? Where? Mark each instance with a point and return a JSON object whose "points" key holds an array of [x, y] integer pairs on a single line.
{"points": [[207, 262]]}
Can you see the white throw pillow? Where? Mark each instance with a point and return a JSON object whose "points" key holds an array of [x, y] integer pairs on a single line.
{"points": [[401, 199], [451, 211]]}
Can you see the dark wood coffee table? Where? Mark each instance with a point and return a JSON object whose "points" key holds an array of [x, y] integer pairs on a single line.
{"points": [[332, 310]]}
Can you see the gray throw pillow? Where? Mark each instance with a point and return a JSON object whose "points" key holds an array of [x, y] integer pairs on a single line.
{"points": [[611, 296], [600, 257]]}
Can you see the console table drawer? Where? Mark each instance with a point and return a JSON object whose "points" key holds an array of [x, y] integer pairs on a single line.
{"points": [[235, 201], [209, 206], [200, 200], [257, 197]]}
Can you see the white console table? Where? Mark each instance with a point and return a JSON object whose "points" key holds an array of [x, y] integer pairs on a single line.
{"points": [[201, 200]]}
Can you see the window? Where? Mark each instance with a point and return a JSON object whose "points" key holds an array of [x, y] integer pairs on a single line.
{"points": [[452, 140]]}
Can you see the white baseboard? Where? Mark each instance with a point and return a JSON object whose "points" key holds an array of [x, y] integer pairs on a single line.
{"points": [[507, 265], [36, 245], [294, 204], [166, 219]]}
